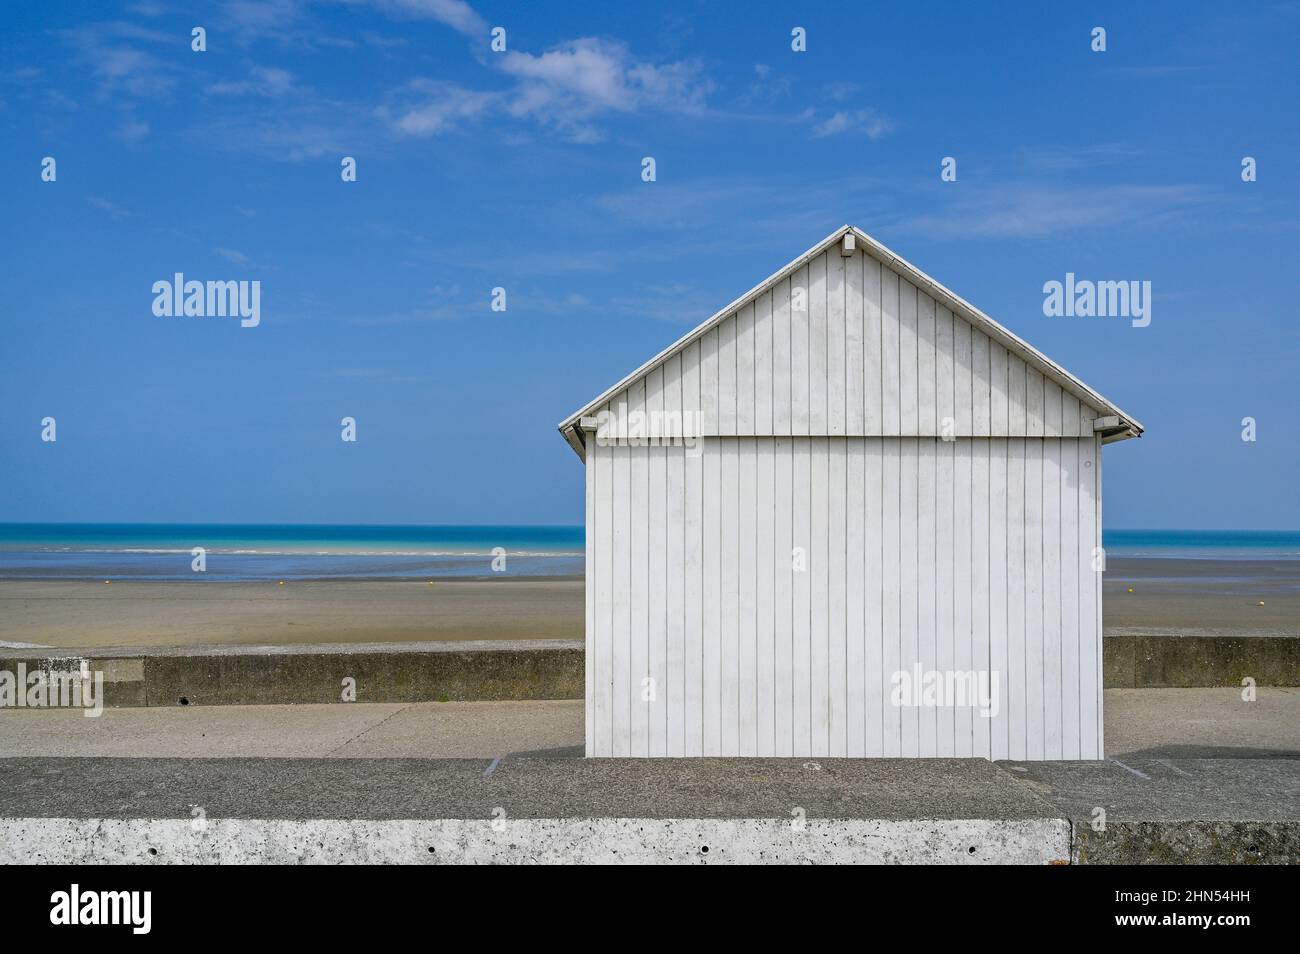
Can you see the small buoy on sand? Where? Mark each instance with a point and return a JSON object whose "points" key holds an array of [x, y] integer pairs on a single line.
{"points": [[281, 583], [107, 582], [1261, 602], [1130, 589]]}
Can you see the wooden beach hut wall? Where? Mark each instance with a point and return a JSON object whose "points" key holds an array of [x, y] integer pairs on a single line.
{"points": [[883, 538]]}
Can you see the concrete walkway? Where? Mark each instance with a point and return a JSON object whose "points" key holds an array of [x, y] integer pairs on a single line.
{"points": [[1140, 723]]}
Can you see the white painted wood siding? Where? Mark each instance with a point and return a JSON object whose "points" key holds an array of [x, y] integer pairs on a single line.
{"points": [[974, 554], [870, 354]]}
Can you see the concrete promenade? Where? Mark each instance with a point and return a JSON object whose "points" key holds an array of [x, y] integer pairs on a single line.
{"points": [[1195, 775]]}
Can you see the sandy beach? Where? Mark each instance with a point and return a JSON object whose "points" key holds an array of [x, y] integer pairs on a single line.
{"points": [[1176, 596]]}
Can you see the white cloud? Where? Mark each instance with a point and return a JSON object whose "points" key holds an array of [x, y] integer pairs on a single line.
{"points": [[263, 81], [872, 123], [456, 14], [445, 104], [565, 87]]}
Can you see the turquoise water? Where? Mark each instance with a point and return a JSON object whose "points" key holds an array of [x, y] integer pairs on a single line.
{"points": [[255, 552], [1204, 544]]}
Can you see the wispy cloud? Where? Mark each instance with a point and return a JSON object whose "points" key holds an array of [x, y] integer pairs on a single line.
{"points": [[869, 122], [262, 81], [104, 205]]}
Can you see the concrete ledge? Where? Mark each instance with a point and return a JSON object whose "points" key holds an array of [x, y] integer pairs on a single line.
{"points": [[1137, 660], [532, 841], [544, 669], [278, 675]]}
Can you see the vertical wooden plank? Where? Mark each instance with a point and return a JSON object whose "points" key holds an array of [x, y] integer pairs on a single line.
{"points": [[1033, 402], [909, 584], [656, 635], [981, 384], [711, 514], [781, 358], [765, 598], [875, 677], [592, 586], [600, 639], [1069, 547], [763, 364], [980, 562], [1097, 622], [891, 391], [727, 389], [746, 560], [799, 347], [962, 397], [927, 566], [693, 567], [998, 390], [746, 400], [817, 342], [855, 650], [873, 395], [1013, 682], [891, 460], [1089, 607], [1015, 396], [673, 693], [1035, 676], [909, 392], [836, 338], [639, 463], [944, 382], [801, 556], [1051, 409], [731, 609], [927, 394], [1052, 597], [709, 381], [854, 353], [837, 596], [963, 574], [783, 605], [1069, 415], [819, 571], [998, 653], [946, 558]]}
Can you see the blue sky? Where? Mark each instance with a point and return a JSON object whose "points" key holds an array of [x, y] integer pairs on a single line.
{"points": [[522, 169]]}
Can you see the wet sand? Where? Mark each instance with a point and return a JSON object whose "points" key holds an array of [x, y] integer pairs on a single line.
{"points": [[81, 614], [1203, 597], [1170, 596]]}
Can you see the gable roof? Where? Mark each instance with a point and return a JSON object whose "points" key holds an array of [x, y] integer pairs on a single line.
{"points": [[1124, 426]]}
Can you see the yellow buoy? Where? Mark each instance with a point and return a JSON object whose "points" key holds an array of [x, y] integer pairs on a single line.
{"points": [[107, 582], [1261, 602], [1130, 589], [282, 582]]}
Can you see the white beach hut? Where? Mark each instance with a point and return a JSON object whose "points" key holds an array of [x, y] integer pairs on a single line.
{"points": [[848, 515]]}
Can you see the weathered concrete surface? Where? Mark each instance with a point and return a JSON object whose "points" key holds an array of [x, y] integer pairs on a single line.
{"points": [[284, 675], [1174, 811], [589, 810], [532, 841], [1181, 723], [1157, 659], [526, 787], [375, 730]]}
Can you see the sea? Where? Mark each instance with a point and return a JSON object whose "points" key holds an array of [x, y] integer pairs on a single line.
{"points": [[231, 552]]}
